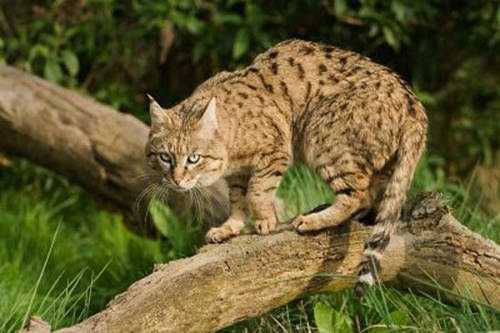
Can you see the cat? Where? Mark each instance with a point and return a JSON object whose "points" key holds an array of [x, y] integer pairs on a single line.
{"points": [[356, 123]]}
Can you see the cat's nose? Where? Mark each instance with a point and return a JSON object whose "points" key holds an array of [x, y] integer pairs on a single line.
{"points": [[177, 181], [177, 177], [182, 184], [181, 181]]}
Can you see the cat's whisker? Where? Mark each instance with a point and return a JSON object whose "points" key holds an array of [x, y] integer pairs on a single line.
{"points": [[164, 193], [205, 208], [216, 198], [143, 195], [209, 203], [152, 194], [196, 200]]}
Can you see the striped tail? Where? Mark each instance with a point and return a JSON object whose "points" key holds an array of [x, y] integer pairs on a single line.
{"points": [[411, 147]]}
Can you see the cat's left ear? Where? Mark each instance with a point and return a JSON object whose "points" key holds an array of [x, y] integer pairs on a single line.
{"points": [[208, 121]]}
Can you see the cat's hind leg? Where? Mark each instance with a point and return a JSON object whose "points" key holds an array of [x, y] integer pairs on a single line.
{"points": [[350, 184]]}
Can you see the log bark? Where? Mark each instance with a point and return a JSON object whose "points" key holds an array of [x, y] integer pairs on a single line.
{"points": [[250, 275], [101, 150], [86, 141], [90, 143]]}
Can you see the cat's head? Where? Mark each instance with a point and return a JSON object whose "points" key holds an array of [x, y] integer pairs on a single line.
{"points": [[186, 148]]}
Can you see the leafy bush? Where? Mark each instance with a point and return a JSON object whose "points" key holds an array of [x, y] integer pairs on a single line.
{"points": [[119, 50]]}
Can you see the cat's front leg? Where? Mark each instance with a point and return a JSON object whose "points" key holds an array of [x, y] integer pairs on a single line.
{"points": [[262, 191], [236, 221]]}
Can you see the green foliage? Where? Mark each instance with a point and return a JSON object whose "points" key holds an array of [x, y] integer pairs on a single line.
{"points": [[117, 51], [181, 236], [301, 191], [329, 320]]}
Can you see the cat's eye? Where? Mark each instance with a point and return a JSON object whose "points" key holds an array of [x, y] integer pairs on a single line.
{"points": [[165, 158], [193, 158]]}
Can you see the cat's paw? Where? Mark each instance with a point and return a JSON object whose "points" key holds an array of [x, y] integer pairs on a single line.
{"points": [[220, 234], [265, 226], [304, 223]]}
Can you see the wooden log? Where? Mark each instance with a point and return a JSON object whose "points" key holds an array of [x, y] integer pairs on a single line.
{"points": [[251, 275]]}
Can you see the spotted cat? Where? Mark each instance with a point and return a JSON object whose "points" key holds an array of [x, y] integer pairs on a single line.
{"points": [[355, 122]]}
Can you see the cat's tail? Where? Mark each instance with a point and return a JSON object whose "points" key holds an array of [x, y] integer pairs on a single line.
{"points": [[411, 146]]}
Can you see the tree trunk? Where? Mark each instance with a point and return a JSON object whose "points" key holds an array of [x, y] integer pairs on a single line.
{"points": [[102, 150]]}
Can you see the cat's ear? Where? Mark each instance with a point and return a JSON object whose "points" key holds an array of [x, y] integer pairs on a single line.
{"points": [[208, 121], [156, 112]]}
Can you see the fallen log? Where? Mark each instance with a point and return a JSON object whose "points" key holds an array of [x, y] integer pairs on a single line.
{"points": [[90, 143], [251, 275]]}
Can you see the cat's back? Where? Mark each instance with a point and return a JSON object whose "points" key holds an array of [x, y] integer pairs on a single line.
{"points": [[305, 73], [301, 77], [340, 98], [300, 63]]}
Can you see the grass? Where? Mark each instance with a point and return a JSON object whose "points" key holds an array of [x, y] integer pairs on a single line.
{"points": [[63, 258], [60, 256]]}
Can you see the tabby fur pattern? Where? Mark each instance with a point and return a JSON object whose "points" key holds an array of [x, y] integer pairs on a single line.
{"points": [[356, 123]]}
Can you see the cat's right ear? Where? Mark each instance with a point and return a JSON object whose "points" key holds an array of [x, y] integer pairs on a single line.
{"points": [[156, 112]]}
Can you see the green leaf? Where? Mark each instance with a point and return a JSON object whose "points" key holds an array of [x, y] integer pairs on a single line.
{"points": [[395, 318], [194, 25], [38, 50], [328, 320], [340, 7], [71, 62], [399, 10], [52, 71], [241, 43], [391, 38], [160, 214], [181, 235], [228, 18], [323, 316], [342, 323]]}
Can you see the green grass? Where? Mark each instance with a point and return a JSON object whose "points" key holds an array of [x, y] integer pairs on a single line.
{"points": [[89, 254], [63, 258]]}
